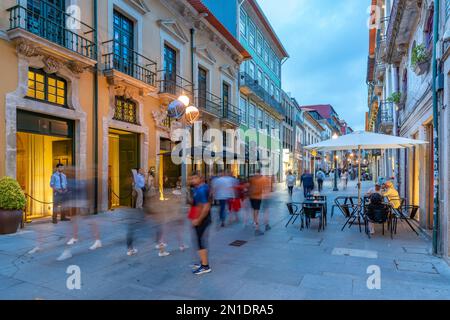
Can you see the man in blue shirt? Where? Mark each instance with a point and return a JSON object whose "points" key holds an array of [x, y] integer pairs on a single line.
{"points": [[58, 183]]}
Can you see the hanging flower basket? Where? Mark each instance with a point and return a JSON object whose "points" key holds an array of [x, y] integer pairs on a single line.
{"points": [[422, 68]]}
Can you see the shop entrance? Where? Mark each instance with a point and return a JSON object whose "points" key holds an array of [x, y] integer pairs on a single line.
{"points": [[42, 143], [123, 157]]}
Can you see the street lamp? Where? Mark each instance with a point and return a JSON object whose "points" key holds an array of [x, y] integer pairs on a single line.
{"points": [[335, 136]]}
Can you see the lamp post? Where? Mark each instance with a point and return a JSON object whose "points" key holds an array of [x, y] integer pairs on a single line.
{"points": [[335, 136]]}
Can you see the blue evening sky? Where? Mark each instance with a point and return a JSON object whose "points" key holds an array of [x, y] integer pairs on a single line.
{"points": [[327, 41]]}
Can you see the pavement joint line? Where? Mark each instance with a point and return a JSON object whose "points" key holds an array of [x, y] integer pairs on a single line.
{"points": [[355, 253]]}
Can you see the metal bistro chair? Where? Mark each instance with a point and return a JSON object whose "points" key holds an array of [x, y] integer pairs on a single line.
{"points": [[325, 207], [352, 211], [344, 204], [401, 213], [310, 211], [379, 214], [294, 212]]}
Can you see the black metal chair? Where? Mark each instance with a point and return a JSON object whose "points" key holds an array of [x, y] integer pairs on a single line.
{"points": [[344, 204], [379, 214], [405, 213], [313, 197], [294, 212], [313, 211]]}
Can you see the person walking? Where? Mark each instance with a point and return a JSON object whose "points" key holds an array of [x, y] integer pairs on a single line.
{"points": [[344, 179], [320, 176], [257, 187], [223, 190], [307, 180], [58, 183], [201, 220], [290, 183], [139, 187]]}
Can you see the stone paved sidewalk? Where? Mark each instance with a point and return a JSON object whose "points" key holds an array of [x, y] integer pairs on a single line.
{"points": [[285, 263]]}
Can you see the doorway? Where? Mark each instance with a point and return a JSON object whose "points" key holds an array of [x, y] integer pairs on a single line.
{"points": [[123, 157], [42, 143]]}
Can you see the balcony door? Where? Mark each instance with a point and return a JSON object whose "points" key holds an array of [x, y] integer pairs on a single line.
{"points": [[123, 43], [170, 69], [47, 19], [225, 98], [202, 87]]}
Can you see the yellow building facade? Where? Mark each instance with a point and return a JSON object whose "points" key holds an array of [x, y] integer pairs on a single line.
{"points": [[91, 91]]}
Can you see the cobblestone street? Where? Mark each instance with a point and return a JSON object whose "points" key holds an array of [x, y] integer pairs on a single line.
{"points": [[284, 263]]}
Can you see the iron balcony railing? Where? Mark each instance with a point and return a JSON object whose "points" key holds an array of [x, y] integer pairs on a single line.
{"points": [[387, 112], [230, 113], [209, 102], [246, 80], [126, 60], [55, 25], [172, 83]]}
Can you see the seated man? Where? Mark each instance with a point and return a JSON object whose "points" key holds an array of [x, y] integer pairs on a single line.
{"points": [[392, 195], [375, 189]]}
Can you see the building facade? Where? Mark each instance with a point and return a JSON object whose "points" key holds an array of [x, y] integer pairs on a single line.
{"points": [[89, 86], [400, 101]]}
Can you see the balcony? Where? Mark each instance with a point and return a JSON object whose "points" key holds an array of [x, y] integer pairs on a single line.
{"points": [[171, 86], [230, 114], [386, 124], [404, 15], [46, 31], [251, 87], [209, 103], [133, 68]]}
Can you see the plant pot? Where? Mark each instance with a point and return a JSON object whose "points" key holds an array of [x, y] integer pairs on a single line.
{"points": [[422, 67], [10, 221]]}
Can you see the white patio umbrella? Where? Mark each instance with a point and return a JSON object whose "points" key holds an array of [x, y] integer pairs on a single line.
{"points": [[363, 140]]}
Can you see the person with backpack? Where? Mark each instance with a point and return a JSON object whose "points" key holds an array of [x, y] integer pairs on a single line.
{"points": [[320, 176]]}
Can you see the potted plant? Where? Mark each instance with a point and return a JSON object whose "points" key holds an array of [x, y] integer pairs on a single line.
{"points": [[395, 98], [420, 59], [12, 203]]}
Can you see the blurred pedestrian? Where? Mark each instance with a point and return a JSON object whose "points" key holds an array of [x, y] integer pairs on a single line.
{"points": [[344, 179], [307, 180], [200, 216], [290, 182], [139, 187], [223, 189], [258, 185], [320, 176]]}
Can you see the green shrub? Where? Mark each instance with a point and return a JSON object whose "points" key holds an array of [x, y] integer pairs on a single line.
{"points": [[419, 55], [11, 195], [395, 98]]}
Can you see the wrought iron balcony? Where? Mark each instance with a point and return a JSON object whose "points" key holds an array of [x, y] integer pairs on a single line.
{"points": [[386, 121], [129, 62], [252, 87], [170, 83], [52, 24], [209, 102], [230, 114]]}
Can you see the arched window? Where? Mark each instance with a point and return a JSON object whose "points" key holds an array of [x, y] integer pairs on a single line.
{"points": [[125, 110], [46, 87]]}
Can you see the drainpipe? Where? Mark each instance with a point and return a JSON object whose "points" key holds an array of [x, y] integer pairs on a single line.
{"points": [[436, 250], [95, 111]]}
